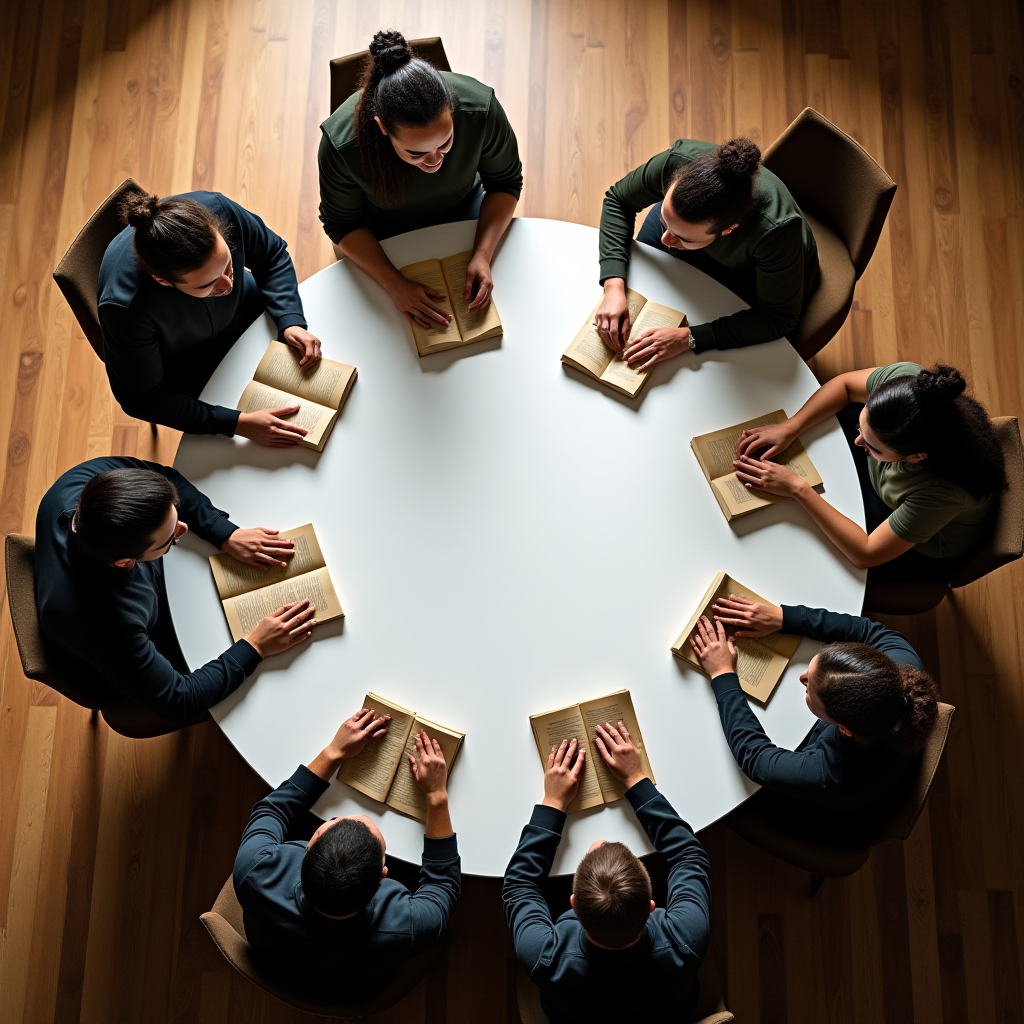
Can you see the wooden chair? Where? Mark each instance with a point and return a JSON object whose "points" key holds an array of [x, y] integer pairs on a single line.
{"points": [[346, 71], [77, 275], [709, 1009], [908, 596], [824, 859], [845, 196], [224, 923], [121, 714]]}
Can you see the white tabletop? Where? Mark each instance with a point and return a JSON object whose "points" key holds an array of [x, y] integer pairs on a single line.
{"points": [[508, 538]]}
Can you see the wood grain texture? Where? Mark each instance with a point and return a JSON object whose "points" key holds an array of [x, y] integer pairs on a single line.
{"points": [[110, 848]]}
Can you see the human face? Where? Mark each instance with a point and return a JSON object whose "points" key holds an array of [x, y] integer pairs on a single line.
{"points": [[680, 234], [870, 442], [424, 148], [215, 278], [161, 542], [810, 680]]}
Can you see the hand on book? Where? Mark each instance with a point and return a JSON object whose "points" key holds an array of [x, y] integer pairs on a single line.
{"points": [[355, 732], [768, 476], [562, 776], [479, 283], [418, 302], [657, 345], [748, 618], [259, 547], [717, 652], [766, 441], [612, 318], [428, 768], [619, 752], [266, 427], [308, 344], [288, 626]]}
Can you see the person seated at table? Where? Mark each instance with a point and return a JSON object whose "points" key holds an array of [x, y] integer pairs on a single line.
{"points": [[613, 939], [929, 464], [414, 146], [101, 533], [718, 209], [175, 295], [323, 913], [875, 705]]}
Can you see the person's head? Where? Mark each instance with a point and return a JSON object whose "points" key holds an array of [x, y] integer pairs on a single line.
{"points": [[403, 117], [181, 244], [343, 865], [611, 894], [709, 196], [126, 516], [871, 697], [928, 416]]}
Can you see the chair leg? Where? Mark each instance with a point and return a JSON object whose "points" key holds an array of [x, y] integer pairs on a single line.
{"points": [[817, 881]]}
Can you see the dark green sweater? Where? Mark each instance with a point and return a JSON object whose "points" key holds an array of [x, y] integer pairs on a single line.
{"points": [[484, 151], [773, 242]]}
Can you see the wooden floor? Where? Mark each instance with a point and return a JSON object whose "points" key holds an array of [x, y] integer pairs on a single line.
{"points": [[110, 849]]}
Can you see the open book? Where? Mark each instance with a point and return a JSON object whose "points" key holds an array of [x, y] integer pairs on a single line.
{"points": [[248, 593], [716, 451], [591, 355], [759, 663], [579, 722], [448, 276], [382, 770], [319, 393]]}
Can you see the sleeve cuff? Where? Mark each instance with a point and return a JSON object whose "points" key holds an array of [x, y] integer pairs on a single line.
{"points": [[794, 618], [225, 420], [613, 268], [291, 320], [308, 783], [444, 849], [724, 683], [246, 655], [703, 337], [641, 793], [221, 530], [549, 818]]}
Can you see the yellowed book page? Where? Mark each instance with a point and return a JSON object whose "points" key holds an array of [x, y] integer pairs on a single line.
{"points": [[717, 450], [233, 577], [738, 498], [549, 730], [759, 669], [653, 315], [587, 351], [326, 384], [429, 272], [373, 771], [245, 610], [615, 706], [682, 646], [474, 324], [311, 416], [405, 796]]}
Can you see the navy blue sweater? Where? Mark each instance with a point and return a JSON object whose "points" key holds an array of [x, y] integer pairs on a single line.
{"points": [[578, 981], [828, 769], [111, 628], [153, 336], [303, 946]]}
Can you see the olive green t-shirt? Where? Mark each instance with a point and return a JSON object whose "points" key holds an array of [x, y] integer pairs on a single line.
{"points": [[939, 517], [484, 151]]}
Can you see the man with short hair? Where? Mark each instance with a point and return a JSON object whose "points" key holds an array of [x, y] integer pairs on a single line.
{"points": [[613, 940], [323, 913]]}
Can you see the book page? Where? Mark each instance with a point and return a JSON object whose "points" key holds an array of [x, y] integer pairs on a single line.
{"points": [[245, 610], [473, 323], [429, 272], [587, 351], [326, 383], [651, 317], [612, 708], [622, 376], [405, 795], [234, 577], [566, 724], [311, 416], [739, 498], [759, 669], [374, 769], [717, 450]]}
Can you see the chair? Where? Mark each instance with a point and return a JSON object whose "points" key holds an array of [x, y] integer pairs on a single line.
{"points": [[845, 196], [709, 1009], [824, 859], [224, 923], [77, 275], [121, 714], [1004, 544], [346, 71]]}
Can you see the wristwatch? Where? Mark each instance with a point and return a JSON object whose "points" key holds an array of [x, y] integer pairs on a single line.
{"points": [[691, 342]]}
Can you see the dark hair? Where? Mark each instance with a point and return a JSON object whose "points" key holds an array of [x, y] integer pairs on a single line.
{"points": [[717, 185], [404, 91], [119, 511], [612, 895], [341, 871], [877, 699], [929, 412], [173, 236]]}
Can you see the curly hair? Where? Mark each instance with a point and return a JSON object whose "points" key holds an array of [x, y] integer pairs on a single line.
{"points": [[717, 185]]}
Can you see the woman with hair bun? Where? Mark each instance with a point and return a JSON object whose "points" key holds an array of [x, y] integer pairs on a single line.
{"points": [[718, 209], [875, 704], [414, 146], [929, 462], [177, 288]]}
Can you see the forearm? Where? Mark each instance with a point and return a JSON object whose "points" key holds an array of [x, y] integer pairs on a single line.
{"points": [[829, 627], [439, 821], [363, 249], [496, 213], [829, 399], [861, 548], [180, 412]]}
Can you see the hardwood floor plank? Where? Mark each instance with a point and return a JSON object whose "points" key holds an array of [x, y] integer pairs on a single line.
{"points": [[771, 966]]}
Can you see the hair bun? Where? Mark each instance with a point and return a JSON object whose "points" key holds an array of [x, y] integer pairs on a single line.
{"points": [[940, 385], [140, 210], [739, 158], [390, 51]]}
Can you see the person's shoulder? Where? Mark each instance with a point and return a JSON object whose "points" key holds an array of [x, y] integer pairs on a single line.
{"points": [[774, 203], [474, 97], [690, 148], [119, 275], [340, 127], [891, 371]]}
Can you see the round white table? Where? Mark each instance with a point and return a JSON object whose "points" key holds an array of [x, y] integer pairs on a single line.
{"points": [[507, 537]]}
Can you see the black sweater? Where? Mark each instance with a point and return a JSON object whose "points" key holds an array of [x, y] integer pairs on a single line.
{"points": [[111, 627]]}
